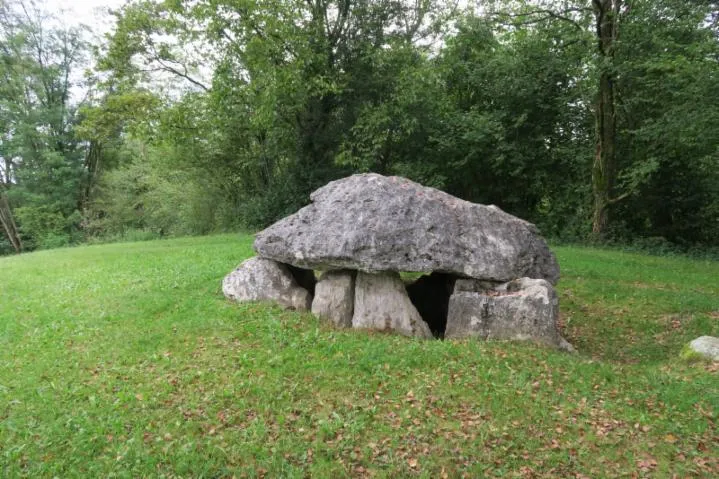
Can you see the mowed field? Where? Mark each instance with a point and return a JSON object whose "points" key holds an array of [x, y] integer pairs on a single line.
{"points": [[125, 360]]}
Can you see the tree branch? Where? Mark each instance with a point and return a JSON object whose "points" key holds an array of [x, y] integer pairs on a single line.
{"points": [[175, 71], [170, 69], [546, 14], [619, 198]]}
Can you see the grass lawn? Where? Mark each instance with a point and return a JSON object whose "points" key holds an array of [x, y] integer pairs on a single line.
{"points": [[125, 360]]}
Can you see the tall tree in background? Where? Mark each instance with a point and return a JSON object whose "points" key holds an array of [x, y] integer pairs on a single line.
{"points": [[42, 158], [671, 33], [606, 20], [667, 80], [10, 87], [588, 117], [607, 15], [289, 80]]}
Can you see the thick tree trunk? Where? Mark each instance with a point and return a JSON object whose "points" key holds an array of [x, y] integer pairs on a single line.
{"points": [[604, 170], [8, 223], [92, 170]]}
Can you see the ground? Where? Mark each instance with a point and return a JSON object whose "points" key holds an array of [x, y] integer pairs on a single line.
{"points": [[125, 360]]}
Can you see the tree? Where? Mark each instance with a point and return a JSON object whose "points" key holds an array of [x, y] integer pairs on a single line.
{"points": [[607, 14], [8, 222], [41, 157], [618, 26], [666, 74], [572, 114], [289, 80]]}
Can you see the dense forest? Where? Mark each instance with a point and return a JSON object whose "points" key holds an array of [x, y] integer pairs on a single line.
{"points": [[595, 119]]}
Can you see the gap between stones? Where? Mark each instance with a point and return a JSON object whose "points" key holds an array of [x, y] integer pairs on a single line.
{"points": [[429, 294]]}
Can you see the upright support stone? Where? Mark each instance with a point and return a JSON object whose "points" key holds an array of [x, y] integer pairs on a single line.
{"points": [[524, 309], [334, 297], [381, 303]]}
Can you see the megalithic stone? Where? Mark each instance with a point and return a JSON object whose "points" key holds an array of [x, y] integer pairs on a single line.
{"points": [[375, 223]]}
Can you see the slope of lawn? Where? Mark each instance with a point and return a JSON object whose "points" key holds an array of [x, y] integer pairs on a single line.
{"points": [[125, 360]]}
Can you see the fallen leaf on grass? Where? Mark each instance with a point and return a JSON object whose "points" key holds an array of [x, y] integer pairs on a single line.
{"points": [[647, 464], [527, 471]]}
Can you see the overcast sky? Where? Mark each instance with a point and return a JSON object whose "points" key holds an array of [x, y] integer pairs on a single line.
{"points": [[93, 14], [89, 12]]}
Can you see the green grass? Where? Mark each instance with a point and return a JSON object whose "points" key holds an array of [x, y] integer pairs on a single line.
{"points": [[125, 360]]}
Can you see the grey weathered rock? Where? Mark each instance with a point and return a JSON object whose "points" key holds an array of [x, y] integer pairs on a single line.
{"points": [[258, 279], [334, 297], [706, 346], [523, 309], [381, 303], [474, 285], [376, 223]]}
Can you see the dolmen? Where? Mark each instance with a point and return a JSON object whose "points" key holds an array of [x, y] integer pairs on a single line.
{"points": [[479, 272]]}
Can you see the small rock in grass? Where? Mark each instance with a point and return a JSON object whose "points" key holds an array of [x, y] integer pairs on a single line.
{"points": [[706, 347]]}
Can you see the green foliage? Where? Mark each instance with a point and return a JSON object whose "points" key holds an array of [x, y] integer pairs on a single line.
{"points": [[128, 358], [514, 141], [45, 227], [5, 247], [42, 160], [667, 72], [144, 196], [130, 112], [215, 115]]}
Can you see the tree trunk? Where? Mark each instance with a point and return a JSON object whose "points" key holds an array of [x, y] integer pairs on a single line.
{"points": [[8, 223], [92, 170], [604, 170]]}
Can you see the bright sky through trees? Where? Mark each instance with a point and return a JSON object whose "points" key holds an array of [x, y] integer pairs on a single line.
{"points": [[89, 12]]}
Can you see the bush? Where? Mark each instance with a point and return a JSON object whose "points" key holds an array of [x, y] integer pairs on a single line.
{"points": [[129, 236], [140, 197], [46, 227], [54, 240], [5, 247]]}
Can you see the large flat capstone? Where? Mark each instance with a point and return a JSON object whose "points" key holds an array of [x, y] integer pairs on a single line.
{"points": [[374, 223]]}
